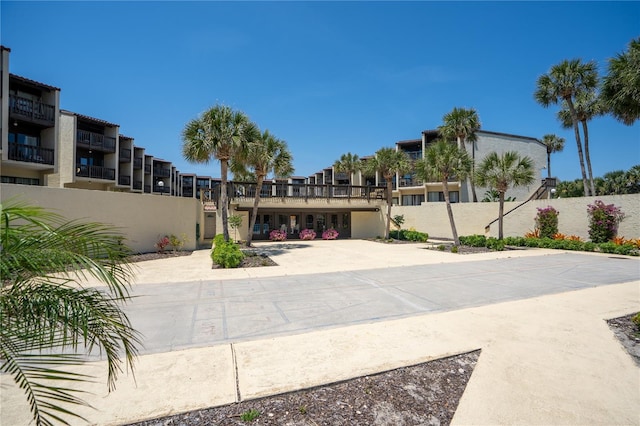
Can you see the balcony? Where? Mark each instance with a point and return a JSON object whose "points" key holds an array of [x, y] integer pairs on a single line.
{"points": [[147, 189], [137, 163], [33, 111], [161, 189], [147, 169], [31, 154], [124, 180], [187, 193], [414, 155], [96, 172], [405, 182], [161, 172], [125, 155], [137, 184], [96, 141]]}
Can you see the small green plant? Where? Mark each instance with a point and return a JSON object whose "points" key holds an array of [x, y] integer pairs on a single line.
{"points": [[235, 221], [441, 247], [495, 244], [398, 220], [162, 244], [474, 240], [636, 320], [454, 249], [177, 243], [249, 416], [303, 409], [547, 222]]}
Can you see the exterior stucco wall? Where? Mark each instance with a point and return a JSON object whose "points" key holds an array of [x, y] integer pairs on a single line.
{"points": [[143, 219], [489, 142], [367, 224], [66, 150], [471, 218]]}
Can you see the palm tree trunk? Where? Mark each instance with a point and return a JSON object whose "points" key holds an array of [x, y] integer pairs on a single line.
{"points": [[389, 202], [472, 182], [587, 157], [224, 199], [254, 212], [574, 119], [548, 164], [454, 231], [500, 214]]}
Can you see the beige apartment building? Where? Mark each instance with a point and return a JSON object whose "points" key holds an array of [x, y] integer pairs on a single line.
{"points": [[45, 145]]}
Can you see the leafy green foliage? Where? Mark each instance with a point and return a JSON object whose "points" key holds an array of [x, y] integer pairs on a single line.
{"points": [[250, 415], [226, 253], [47, 318], [636, 320], [621, 85], [626, 249], [603, 221], [495, 244], [474, 240], [409, 235]]}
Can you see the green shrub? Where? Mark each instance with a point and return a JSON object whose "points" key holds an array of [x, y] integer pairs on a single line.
{"points": [[474, 241], [418, 236], [441, 247], [495, 244], [531, 242], [515, 241], [249, 416], [603, 221], [589, 246], [226, 254], [454, 249], [636, 320]]}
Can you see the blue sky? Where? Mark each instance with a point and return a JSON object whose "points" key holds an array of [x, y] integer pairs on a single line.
{"points": [[327, 77]]}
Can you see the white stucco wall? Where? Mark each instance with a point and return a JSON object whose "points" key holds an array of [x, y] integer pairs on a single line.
{"points": [[471, 218], [143, 219], [368, 224]]}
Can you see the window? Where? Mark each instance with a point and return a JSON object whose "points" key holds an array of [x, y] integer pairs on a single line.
{"points": [[412, 200], [454, 196], [20, 180]]}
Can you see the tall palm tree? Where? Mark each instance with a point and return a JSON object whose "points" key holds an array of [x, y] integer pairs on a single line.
{"points": [[563, 83], [218, 133], [621, 85], [388, 162], [588, 105], [47, 318], [262, 155], [499, 172], [463, 124], [553, 143], [441, 161], [348, 163]]}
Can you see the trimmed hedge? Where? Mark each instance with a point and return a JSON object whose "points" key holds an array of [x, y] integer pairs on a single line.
{"points": [[409, 235], [494, 244]]}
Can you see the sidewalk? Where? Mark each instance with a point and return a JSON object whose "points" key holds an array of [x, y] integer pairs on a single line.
{"points": [[545, 360]]}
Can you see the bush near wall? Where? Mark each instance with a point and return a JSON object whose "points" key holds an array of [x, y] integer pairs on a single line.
{"points": [[226, 253]]}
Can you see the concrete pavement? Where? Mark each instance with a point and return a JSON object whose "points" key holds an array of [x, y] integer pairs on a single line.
{"points": [[333, 310]]}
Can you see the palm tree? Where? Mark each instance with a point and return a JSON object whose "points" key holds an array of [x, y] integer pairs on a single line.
{"points": [[563, 83], [262, 155], [47, 318], [621, 85], [220, 133], [588, 105], [499, 172], [348, 163], [442, 161], [463, 124], [553, 143], [388, 162]]}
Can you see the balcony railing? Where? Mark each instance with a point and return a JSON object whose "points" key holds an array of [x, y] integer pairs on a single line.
{"points": [[137, 184], [96, 172], [414, 155], [240, 190], [187, 193], [32, 110], [411, 182], [147, 169], [137, 163], [147, 189], [31, 154], [125, 155], [161, 172], [124, 180], [161, 189], [96, 141]]}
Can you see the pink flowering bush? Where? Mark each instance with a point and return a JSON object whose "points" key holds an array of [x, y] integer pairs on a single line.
{"points": [[603, 221], [278, 235], [330, 234], [307, 234], [547, 222]]}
